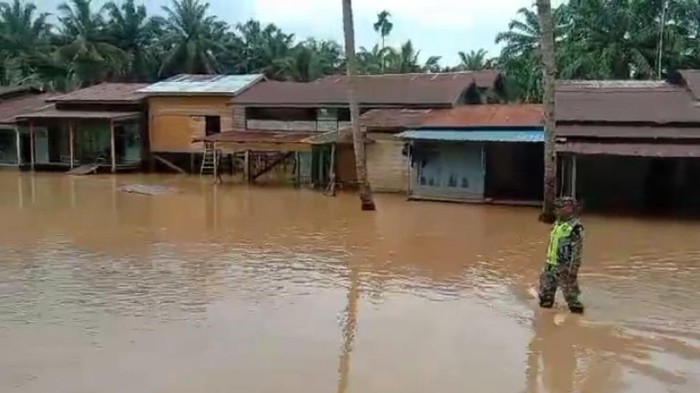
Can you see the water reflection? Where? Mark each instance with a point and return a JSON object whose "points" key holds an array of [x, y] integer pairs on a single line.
{"points": [[235, 289]]}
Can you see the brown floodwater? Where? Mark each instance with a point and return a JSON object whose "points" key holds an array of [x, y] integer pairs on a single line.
{"points": [[235, 289]]}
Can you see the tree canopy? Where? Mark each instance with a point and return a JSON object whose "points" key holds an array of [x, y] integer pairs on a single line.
{"points": [[122, 41]]}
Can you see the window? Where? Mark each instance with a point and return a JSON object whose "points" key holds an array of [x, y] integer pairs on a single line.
{"points": [[212, 125]]}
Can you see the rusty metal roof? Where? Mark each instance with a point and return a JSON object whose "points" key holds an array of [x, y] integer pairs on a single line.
{"points": [[427, 90], [256, 136], [203, 85], [342, 136], [627, 131], [14, 91], [13, 107], [394, 118], [118, 93], [624, 101], [52, 113], [516, 115], [631, 149]]}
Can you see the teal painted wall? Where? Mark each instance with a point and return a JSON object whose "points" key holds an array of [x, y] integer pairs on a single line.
{"points": [[448, 170]]}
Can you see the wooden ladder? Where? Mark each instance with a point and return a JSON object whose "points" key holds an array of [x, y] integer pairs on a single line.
{"points": [[210, 160]]}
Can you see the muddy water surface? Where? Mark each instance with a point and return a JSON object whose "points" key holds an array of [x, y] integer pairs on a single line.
{"points": [[232, 289]]}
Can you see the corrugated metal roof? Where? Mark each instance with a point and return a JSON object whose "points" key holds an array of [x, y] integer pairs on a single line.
{"points": [[122, 93], [515, 115], [13, 107], [372, 90], [52, 113], [476, 135], [652, 102], [203, 85], [630, 149], [256, 136], [394, 118], [692, 81], [626, 131]]}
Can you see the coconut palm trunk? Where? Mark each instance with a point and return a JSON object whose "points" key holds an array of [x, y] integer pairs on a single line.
{"points": [[367, 202], [544, 11]]}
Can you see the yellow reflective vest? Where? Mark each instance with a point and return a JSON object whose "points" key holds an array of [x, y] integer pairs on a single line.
{"points": [[560, 231]]}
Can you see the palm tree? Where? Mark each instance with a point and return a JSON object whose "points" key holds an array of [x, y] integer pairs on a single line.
{"points": [[371, 62], [383, 26], [473, 61], [544, 11], [406, 60], [193, 38], [366, 199], [84, 44], [133, 32], [24, 41]]}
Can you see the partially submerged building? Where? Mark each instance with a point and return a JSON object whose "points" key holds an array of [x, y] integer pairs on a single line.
{"points": [[310, 109], [185, 109], [97, 127], [477, 153], [630, 144], [14, 139]]}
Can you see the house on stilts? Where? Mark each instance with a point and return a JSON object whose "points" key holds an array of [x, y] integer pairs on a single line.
{"points": [[631, 145]]}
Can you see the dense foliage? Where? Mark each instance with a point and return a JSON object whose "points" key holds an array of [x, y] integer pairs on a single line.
{"points": [[596, 39]]}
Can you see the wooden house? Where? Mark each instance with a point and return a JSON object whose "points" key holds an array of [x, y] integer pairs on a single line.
{"points": [[322, 107], [188, 107], [96, 127], [631, 144], [14, 139], [478, 153]]}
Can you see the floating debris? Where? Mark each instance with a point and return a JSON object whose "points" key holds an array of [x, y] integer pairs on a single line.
{"points": [[146, 189]]}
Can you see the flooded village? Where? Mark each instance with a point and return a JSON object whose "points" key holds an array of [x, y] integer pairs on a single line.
{"points": [[248, 269]]}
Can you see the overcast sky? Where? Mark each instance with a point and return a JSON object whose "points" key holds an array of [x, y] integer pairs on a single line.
{"points": [[437, 27]]}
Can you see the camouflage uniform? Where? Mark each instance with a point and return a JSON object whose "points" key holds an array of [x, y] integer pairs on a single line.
{"points": [[563, 262]]}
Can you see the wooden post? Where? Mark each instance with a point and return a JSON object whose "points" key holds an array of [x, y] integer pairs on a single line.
{"points": [[216, 165], [113, 147], [246, 167], [71, 141], [19, 146], [192, 170], [32, 146], [331, 175], [573, 176]]}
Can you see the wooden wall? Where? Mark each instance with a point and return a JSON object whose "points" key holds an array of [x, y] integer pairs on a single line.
{"points": [[387, 167], [174, 121], [346, 172]]}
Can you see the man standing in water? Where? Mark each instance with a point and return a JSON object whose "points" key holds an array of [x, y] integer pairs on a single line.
{"points": [[563, 257]]}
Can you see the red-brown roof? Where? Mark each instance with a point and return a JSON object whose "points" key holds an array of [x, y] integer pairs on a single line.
{"points": [[631, 149], [627, 131], [395, 118], [428, 90], [13, 107], [121, 93], [523, 115], [692, 81], [50, 112], [625, 101], [257, 136]]}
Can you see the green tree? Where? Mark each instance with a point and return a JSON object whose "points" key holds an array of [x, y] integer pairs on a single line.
{"points": [[193, 38], [132, 31], [84, 45], [24, 41], [473, 60]]}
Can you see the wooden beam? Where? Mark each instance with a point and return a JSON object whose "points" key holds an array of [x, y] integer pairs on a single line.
{"points": [[169, 164], [277, 161], [246, 166], [331, 175], [19, 146], [573, 176], [113, 147], [32, 146], [71, 141]]}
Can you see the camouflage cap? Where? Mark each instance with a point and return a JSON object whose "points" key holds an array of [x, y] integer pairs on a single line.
{"points": [[565, 201]]}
